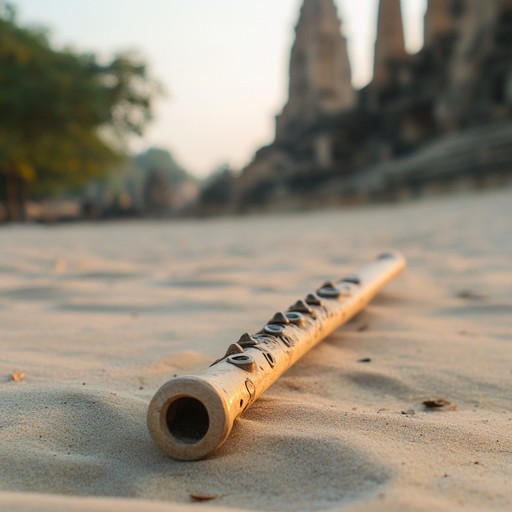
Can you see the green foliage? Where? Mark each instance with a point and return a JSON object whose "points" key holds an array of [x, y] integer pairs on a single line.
{"points": [[65, 117], [163, 161], [131, 177]]}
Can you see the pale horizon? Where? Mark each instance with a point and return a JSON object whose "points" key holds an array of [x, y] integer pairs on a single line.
{"points": [[224, 64]]}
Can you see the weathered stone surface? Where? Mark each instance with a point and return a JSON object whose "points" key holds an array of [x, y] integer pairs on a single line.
{"points": [[440, 19], [477, 28]]}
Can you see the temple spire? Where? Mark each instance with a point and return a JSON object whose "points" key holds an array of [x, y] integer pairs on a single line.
{"points": [[320, 75], [389, 43], [438, 20]]}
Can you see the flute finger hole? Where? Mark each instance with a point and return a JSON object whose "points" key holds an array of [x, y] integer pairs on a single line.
{"points": [[270, 359]]}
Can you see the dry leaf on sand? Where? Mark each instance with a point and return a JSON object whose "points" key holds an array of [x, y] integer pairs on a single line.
{"points": [[16, 376], [439, 404], [201, 497]]}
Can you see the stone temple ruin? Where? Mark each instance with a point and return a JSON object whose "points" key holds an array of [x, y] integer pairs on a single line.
{"points": [[436, 121]]}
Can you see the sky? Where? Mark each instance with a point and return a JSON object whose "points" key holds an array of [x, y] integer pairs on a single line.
{"points": [[223, 63]]}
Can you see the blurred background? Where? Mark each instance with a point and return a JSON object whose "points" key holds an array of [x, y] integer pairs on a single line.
{"points": [[199, 108]]}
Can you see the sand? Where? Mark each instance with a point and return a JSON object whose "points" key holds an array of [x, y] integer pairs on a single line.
{"points": [[97, 317]]}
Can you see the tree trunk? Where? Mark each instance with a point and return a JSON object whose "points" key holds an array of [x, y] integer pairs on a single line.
{"points": [[12, 198], [22, 199], [3, 198]]}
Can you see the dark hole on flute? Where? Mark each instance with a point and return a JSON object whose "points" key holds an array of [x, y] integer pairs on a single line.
{"points": [[187, 420]]}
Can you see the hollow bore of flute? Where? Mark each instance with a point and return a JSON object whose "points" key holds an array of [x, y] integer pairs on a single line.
{"points": [[187, 420]]}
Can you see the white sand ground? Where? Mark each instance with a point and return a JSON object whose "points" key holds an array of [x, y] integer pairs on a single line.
{"points": [[97, 317]]}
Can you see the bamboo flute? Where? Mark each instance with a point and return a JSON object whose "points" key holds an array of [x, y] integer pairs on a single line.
{"points": [[191, 416]]}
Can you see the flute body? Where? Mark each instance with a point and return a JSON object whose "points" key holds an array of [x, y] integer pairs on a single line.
{"points": [[190, 417]]}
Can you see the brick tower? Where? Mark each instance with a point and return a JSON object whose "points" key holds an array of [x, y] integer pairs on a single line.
{"points": [[320, 75], [389, 43]]}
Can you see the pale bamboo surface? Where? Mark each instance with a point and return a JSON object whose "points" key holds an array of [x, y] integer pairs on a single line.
{"points": [[192, 416], [97, 317]]}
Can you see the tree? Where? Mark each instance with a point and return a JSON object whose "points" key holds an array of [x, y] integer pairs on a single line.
{"points": [[162, 159], [65, 117], [157, 192], [217, 191]]}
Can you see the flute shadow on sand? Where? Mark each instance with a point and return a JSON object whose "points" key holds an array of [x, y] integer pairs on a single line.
{"points": [[190, 417]]}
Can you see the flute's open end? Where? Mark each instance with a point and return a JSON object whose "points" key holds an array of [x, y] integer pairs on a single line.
{"points": [[188, 419]]}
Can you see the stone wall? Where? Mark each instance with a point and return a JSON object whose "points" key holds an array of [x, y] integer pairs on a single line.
{"points": [[328, 136]]}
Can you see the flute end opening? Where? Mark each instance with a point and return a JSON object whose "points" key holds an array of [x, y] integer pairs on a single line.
{"points": [[188, 418]]}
